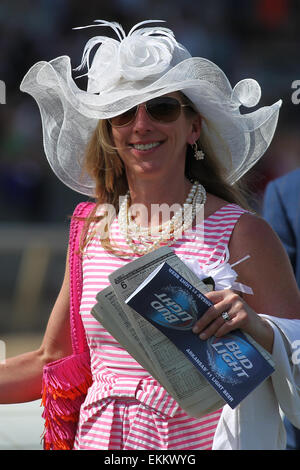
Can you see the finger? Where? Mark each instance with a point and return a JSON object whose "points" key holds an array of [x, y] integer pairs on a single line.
{"points": [[238, 319], [211, 315], [216, 296], [212, 328], [227, 327], [206, 319], [220, 325]]}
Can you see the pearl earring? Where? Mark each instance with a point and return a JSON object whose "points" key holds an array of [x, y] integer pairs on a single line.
{"points": [[198, 154]]}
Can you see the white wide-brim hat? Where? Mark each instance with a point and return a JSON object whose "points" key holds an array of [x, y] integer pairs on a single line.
{"points": [[146, 63]]}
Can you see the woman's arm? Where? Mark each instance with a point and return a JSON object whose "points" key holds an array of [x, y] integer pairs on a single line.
{"points": [[21, 376], [268, 272]]}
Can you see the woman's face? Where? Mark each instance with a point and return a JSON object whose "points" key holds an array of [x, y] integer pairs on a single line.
{"points": [[152, 149]]}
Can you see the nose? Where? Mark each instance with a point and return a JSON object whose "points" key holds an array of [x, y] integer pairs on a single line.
{"points": [[142, 121]]}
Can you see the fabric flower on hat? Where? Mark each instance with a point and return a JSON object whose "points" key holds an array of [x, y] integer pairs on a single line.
{"points": [[140, 58], [104, 72], [143, 53]]}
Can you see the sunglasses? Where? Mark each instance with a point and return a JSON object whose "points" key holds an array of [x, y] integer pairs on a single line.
{"points": [[162, 109]]}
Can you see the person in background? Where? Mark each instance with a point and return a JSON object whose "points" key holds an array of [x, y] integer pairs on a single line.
{"points": [[281, 208]]}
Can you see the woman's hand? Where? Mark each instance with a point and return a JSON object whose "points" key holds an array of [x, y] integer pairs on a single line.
{"points": [[241, 316]]}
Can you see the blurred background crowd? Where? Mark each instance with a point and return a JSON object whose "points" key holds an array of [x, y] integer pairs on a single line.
{"points": [[246, 38]]}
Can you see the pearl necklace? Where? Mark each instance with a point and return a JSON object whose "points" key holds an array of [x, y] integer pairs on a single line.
{"points": [[169, 231]]}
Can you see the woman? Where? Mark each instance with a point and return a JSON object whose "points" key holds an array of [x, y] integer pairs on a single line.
{"points": [[155, 119]]}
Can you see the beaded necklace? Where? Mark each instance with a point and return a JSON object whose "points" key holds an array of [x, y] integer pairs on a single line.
{"points": [[166, 233]]}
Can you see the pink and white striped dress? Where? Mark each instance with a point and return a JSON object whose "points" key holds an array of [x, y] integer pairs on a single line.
{"points": [[125, 408]]}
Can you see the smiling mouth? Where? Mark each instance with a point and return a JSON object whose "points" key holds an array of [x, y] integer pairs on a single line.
{"points": [[144, 147]]}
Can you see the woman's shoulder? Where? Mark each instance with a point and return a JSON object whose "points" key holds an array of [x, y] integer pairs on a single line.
{"points": [[251, 231], [251, 228], [215, 204], [252, 235]]}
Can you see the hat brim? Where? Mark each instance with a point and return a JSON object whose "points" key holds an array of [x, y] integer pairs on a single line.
{"points": [[70, 115]]}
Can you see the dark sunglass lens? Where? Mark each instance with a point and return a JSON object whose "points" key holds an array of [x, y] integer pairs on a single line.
{"points": [[124, 118], [164, 109]]}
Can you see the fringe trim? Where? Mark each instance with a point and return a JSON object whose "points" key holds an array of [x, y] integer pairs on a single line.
{"points": [[65, 385]]}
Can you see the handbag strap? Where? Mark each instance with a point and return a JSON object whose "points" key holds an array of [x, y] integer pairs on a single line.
{"points": [[79, 342]]}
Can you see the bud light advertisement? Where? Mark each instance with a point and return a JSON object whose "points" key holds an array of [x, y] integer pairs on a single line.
{"points": [[231, 364]]}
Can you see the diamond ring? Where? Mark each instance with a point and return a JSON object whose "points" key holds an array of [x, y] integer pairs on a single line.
{"points": [[225, 316]]}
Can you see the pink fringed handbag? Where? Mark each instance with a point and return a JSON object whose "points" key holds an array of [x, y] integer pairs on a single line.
{"points": [[66, 381]]}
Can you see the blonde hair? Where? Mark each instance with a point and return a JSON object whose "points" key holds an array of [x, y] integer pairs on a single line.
{"points": [[104, 165]]}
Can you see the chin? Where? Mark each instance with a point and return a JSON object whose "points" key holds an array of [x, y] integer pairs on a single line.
{"points": [[148, 169]]}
